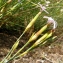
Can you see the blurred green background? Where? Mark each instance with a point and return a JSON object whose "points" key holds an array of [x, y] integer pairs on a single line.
{"points": [[16, 14]]}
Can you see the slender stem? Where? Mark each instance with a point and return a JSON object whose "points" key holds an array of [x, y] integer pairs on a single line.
{"points": [[32, 39], [38, 42], [21, 54], [11, 51], [26, 29], [34, 45]]}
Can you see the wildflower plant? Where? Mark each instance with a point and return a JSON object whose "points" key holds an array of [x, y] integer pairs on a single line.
{"points": [[37, 37], [39, 41]]}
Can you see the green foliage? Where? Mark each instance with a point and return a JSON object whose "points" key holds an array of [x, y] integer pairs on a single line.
{"points": [[14, 15]]}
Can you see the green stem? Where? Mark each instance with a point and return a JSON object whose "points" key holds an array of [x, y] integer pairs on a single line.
{"points": [[34, 45], [32, 39], [11, 51], [38, 42], [21, 54], [26, 29]]}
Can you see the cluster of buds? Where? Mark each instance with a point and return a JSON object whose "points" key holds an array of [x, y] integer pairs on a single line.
{"points": [[41, 39]]}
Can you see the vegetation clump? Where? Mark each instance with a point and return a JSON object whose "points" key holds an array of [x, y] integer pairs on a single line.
{"points": [[17, 14]]}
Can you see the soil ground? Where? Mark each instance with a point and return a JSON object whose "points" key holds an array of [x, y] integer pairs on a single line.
{"points": [[50, 53]]}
